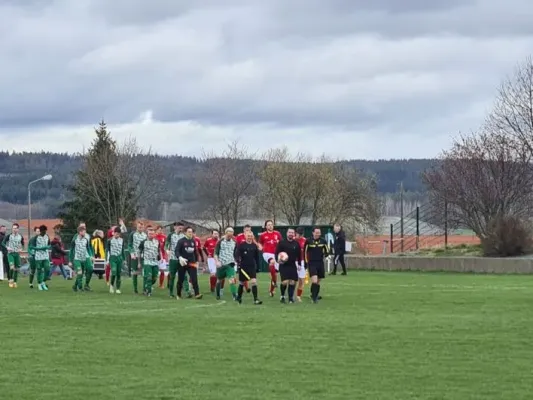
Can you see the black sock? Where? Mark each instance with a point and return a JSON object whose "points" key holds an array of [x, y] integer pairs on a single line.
{"points": [[317, 289], [254, 291], [282, 289], [291, 291], [217, 288], [314, 290], [240, 291]]}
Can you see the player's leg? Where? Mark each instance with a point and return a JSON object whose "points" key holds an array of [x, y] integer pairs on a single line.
{"points": [[108, 273], [220, 274], [230, 276], [39, 266], [135, 269], [162, 269], [181, 279], [16, 269], [88, 274], [242, 278], [147, 279], [155, 275], [335, 264], [293, 277], [301, 281], [343, 263], [186, 285], [112, 273], [78, 268], [321, 273], [193, 274], [315, 288], [271, 261], [172, 271], [33, 269], [252, 274], [48, 271], [284, 282], [11, 263], [212, 266]]}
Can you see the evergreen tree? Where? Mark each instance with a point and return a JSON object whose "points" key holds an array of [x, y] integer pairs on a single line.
{"points": [[97, 196]]}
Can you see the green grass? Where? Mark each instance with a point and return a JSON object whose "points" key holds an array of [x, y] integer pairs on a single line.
{"points": [[374, 336], [461, 250]]}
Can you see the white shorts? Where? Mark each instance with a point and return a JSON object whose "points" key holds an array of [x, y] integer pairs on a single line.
{"points": [[163, 266], [212, 265], [301, 271], [268, 256]]}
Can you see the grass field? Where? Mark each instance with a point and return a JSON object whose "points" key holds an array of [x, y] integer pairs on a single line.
{"points": [[374, 336]]}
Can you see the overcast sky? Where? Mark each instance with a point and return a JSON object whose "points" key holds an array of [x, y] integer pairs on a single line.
{"points": [[351, 78]]}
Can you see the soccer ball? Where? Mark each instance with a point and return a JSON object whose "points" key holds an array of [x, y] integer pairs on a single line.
{"points": [[282, 257]]}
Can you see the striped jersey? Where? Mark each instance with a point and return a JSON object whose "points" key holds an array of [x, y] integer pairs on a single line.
{"points": [[149, 251], [14, 242], [225, 251], [116, 247], [172, 241], [40, 242], [81, 248], [136, 239]]}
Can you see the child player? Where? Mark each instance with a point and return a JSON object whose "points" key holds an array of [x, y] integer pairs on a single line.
{"points": [[14, 243], [209, 249], [301, 268], [116, 256], [269, 240]]}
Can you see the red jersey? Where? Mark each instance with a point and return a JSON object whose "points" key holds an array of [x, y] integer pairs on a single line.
{"points": [[161, 238], [269, 241], [209, 246], [302, 242], [111, 232], [240, 238], [198, 245]]}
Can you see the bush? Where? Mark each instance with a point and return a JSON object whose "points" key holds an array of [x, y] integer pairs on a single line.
{"points": [[507, 236]]}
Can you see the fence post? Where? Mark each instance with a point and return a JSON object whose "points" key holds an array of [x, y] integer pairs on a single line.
{"points": [[391, 237], [445, 224], [401, 217], [417, 227]]}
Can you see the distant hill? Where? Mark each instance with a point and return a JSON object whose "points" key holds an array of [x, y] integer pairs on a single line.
{"points": [[17, 169]]}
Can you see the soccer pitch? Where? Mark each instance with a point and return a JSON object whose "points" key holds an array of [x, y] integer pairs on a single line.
{"points": [[374, 336]]}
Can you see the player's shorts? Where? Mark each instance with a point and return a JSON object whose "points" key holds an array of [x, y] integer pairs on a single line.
{"points": [[250, 271], [212, 265], [317, 269], [301, 272], [288, 272], [163, 266], [226, 272], [268, 256]]}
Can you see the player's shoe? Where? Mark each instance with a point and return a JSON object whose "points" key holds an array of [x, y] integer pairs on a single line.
{"points": [[344, 273], [45, 288], [234, 297], [11, 284], [218, 297], [87, 289], [189, 295], [291, 301], [282, 300], [148, 294], [298, 299], [15, 285], [258, 302], [118, 291], [239, 300], [271, 294], [31, 285], [41, 287], [199, 296], [248, 290], [111, 289]]}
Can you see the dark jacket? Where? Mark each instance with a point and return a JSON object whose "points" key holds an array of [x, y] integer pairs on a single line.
{"points": [[3, 249], [186, 248], [339, 246], [247, 254], [316, 250], [58, 251], [293, 250]]}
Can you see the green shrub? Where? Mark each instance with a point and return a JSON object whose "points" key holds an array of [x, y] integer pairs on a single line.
{"points": [[507, 236]]}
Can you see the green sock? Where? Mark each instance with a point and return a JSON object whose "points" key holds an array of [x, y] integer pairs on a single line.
{"points": [[118, 282], [15, 275], [40, 275], [88, 276], [135, 279], [79, 281], [47, 273], [32, 276], [112, 283], [233, 289], [217, 288]]}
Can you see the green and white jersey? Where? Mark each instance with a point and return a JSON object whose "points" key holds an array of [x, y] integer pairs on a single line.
{"points": [[116, 247], [173, 240], [149, 251], [40, 242], [31, 246], [225, 251], [15, 242], [81, 248], [137, 239]]}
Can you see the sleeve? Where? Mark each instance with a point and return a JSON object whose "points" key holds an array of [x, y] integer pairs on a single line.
{"points": [[261, 240], [217, 248], [123, 250], [204, 247], [159, 250], [5, 241], [326, 248], [199, 250], [72, 250], [141, 247], [130, 243], [306, 248], [108, 246], [167, 241], [90, 250], [22, 242], [236, 254], [31, 246], [177, 250], [279, 249]]}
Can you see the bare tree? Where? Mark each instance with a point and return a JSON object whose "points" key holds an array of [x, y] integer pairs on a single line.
{"points": [[484, 176], [224, 183]]}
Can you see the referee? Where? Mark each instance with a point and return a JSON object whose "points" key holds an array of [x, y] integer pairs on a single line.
{"points": [[246, 256], [288, 269], [316, 250]]}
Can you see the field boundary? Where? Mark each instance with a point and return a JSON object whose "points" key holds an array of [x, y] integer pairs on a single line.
{"points": [[479, 265]]}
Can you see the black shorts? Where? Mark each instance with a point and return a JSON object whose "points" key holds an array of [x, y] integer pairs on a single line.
{"points": [[288, 272], [317, 269], [250, 271]]}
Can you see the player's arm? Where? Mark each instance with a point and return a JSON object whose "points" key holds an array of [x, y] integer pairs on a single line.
{"points": [[130, 243], [306, 249], [200, 252], [141, 248], [217, 251], [90, 250], [159, 251], [167, 241], [237, 254], [327, 250], [22, 242], [6, 241], [72, 250]]}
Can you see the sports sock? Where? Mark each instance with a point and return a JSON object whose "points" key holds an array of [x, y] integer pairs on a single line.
{"points": [[212, 282], [135, 279], [299, 292], [222, 284], [273, 274], [107, 272], [161, 278], [32, 276], [15, 275], [254, 291], [113, 278], [218, 286], [317, 289], [283, 288], [240, 291], [314, 290], [291, 291], [233, 288], [117, 282]]}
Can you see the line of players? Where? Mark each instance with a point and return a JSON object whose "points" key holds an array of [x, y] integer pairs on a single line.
{"points": [[226, 258]]}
